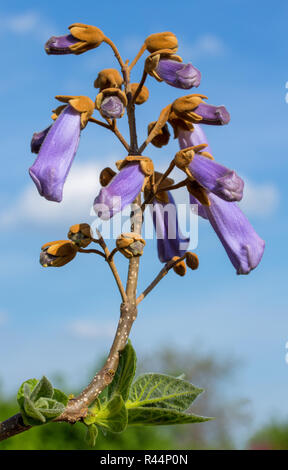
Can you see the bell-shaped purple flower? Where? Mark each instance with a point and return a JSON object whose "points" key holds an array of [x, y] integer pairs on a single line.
{"points": [[112, 107], [121, 191], [242, 244], [37, 139], [177, 74], [56, 154], [60, 44], [215, 115], [170, 241], [211, 175]]}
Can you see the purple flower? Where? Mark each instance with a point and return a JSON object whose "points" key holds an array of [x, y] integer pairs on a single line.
{"points": [[211, 175], [215, 115], [60, 44], [37, 139], [242, 244], [56, 154], [112, 107], [170, 241], [121, 191], [178, 74]]}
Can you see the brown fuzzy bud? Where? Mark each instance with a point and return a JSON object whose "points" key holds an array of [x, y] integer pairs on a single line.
{"points": [[184, 157], [57, 253], [80, 234], [108, 78], [89, 37], [179, 268], [106, 176], [192, 260], [163, 136], [165, 40], [143, 95], [177, 123], [130, 244]]}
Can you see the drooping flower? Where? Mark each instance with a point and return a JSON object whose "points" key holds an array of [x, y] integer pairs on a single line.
{"points": [[82, 38], [214, 177], [170, 241], [57, 146], [121, 191], [55, 157], [242, 244], [177, 74], [192, 108]]}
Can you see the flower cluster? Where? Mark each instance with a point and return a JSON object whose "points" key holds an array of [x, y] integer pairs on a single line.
{"points": [[212, 187]]}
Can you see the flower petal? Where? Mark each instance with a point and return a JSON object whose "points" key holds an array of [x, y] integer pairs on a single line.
{"points": [[56, 155]]}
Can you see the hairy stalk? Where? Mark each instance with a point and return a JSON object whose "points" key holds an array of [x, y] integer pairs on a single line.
{"points": [[135, 60], [158, 278]]}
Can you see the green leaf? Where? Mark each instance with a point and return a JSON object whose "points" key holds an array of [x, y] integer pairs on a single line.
{"points": [[43, 389], [49, 408], [124, 374], [162, 391], [25, 390], [91, 436], [32, 412], [150, 416], [60, 396], [112, 416]]}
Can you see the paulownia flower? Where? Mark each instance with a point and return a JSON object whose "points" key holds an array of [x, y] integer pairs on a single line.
{"points": [[192, 108], [56, 154], [82, 37], [57, 146], [214, 177], [242, 244]]}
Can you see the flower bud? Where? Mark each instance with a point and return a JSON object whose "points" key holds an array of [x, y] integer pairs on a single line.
{"points": [[82, 37], [179, 268], [192, 260], [57, 253], [108, 78], [130, 244], [162, 138], [111, 102], [143, 95], [184, 157], [80, 234], [158, 41]]}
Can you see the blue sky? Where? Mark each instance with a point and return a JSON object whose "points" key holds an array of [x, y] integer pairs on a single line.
{"points": [[63, 319]]}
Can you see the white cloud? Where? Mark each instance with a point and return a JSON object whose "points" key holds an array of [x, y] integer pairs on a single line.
{"points": [[29, 22], [260, 199], [80, 190], [92, 329], [206, 45]]}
